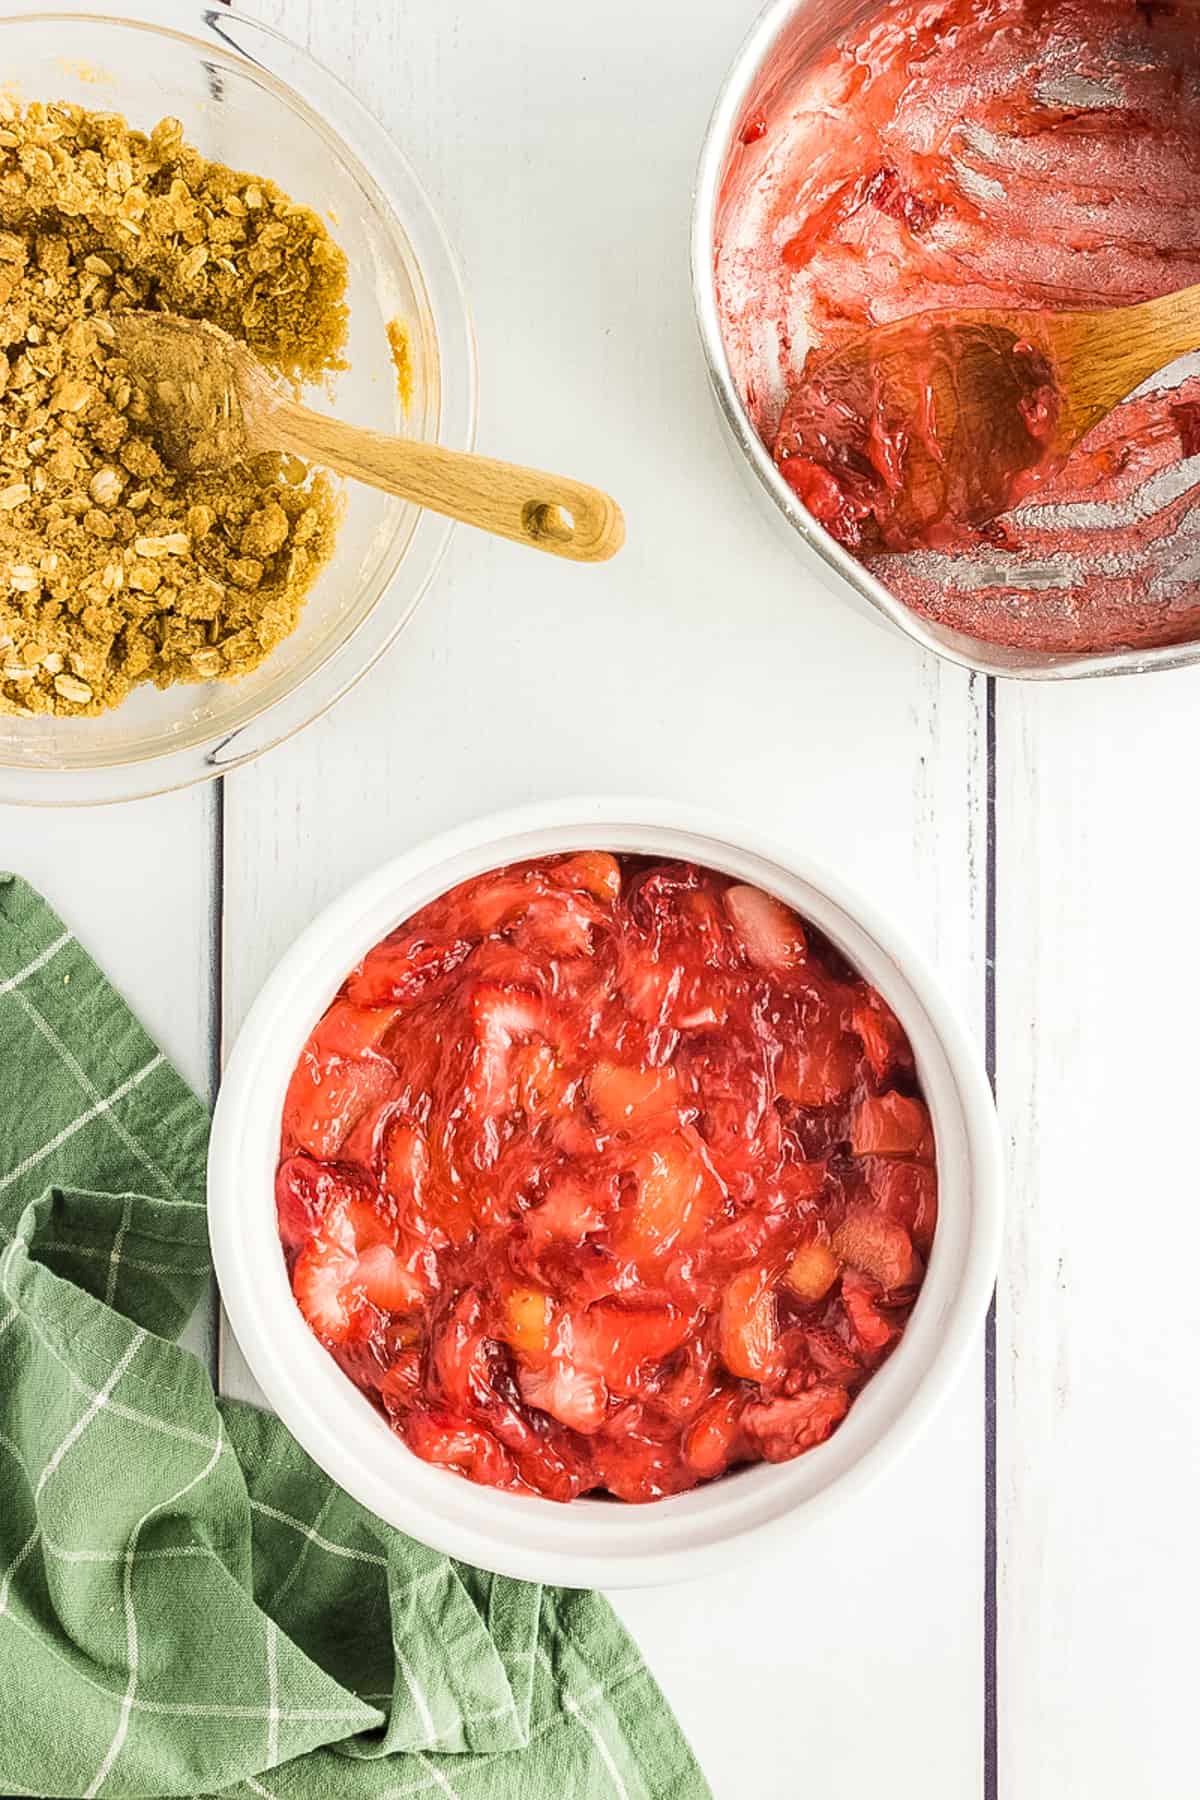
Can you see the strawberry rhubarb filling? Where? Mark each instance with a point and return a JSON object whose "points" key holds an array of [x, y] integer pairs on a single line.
{"points": [[606, 1175]]}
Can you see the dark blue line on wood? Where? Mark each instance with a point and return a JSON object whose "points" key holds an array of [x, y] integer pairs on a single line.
{"points": [[216, 976], [991, 1772]]}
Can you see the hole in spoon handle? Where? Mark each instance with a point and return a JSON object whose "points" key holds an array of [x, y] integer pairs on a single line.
{"points": [[577, 522], [544, 519]]}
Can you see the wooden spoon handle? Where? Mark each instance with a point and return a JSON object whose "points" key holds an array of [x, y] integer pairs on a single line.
{"points": [[1169, 327], [1111, 353], [547, 512]]}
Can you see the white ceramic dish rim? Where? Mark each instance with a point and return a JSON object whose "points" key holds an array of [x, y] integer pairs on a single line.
{"points": [[838, 569], [594, 1543]]}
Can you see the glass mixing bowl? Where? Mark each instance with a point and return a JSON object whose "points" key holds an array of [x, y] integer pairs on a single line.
{"points": [[250, 98]]}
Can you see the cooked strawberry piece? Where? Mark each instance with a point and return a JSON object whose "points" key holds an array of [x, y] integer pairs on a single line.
{"points": [[495, 901], [821, 1066], [678, 950], [460, 1354], [552, 1476], [623, 1096], [501, 964], [702, 1004], [639, 1457], [881, 1034], [688, 1380], [602, 1175], [595, 871], [812, 1272], [649, 985], [729, 1076], [386, 1281], [740, 1147], [749, 1237], [323, 1283], [767, 1206], [557, 1468], [907, 1193], [306, 1191], [353, 1031], [749, 1326], [502, 1018], [456, 1443], [361, 1224], [785, 1428], [619, 1340], [450, 1220], [404, 970], [575, 1207], [702, 935], [892, 1125], [802, 1182], [405, 1167], [871, 1330], [363, 1145], [395, 1263], [828, 1353], [573, 1395], [878, 1246], [356, 1255], [544, 1087], [657, 897], [569, 1364], [551, 918], [328, 1096], [710, 1444], [505, 1022], [504, 1015], [770, 933], [400, 1383], [560, 923]]}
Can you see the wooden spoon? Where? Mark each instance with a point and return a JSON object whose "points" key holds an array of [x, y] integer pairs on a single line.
{"points": [[212, 403], [950, 417]]}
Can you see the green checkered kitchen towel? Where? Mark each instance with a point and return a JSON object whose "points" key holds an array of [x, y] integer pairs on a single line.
{"points": [[187, 1605]]}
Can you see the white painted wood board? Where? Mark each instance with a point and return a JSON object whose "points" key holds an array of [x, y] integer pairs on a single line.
{"points": [[702, 663], [1098, 867]]}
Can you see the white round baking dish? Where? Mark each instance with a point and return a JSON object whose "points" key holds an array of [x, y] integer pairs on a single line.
{"points": [[594, 1543]]}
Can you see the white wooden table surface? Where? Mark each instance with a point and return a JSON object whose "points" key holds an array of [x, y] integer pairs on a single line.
{"points": [[1011, 1612]]}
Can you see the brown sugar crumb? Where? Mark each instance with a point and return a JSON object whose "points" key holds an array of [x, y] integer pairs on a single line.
{"points": [[116, 569], [397, 337]]}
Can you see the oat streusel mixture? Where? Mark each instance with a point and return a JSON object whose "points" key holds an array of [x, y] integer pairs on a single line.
{"points": [[114, 568]]}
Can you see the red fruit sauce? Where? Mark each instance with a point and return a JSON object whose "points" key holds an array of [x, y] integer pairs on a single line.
{"points": [[606, 1175], [868, 443], [992, 154]]}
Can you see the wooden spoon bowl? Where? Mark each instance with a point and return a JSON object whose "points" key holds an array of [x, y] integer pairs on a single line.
{"points": [[950, 417]]}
